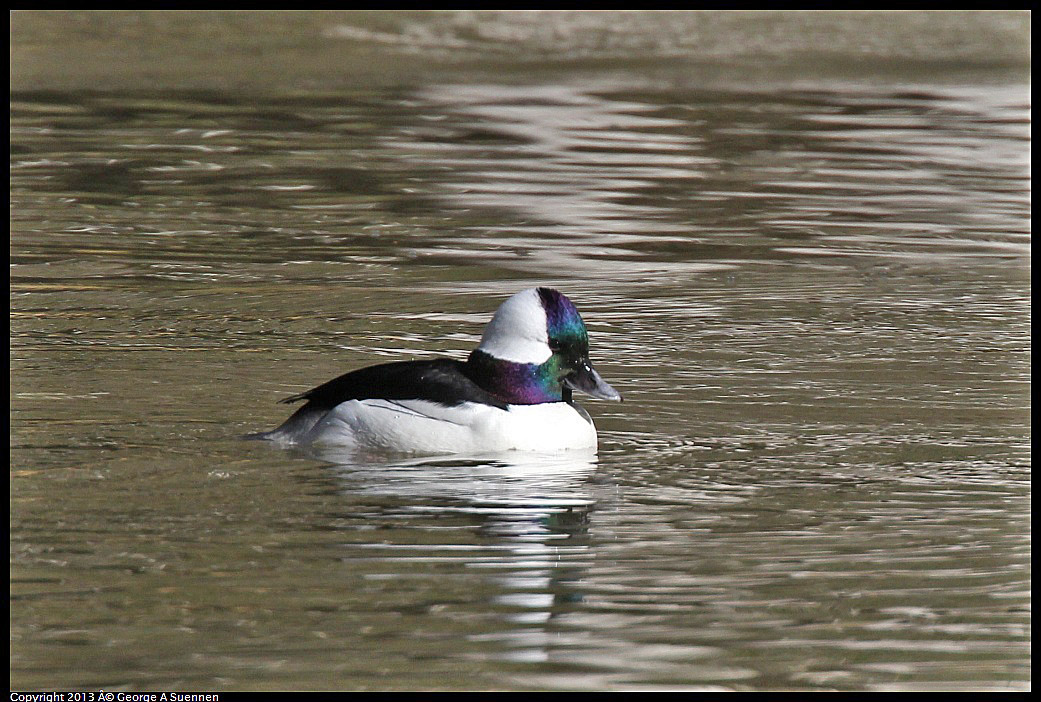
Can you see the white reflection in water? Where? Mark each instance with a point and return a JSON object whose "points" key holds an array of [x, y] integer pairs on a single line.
{"points": [[514, 479], [532, 507]]}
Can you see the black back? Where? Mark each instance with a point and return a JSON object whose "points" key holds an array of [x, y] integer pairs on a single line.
{"points": [[442, 380]]}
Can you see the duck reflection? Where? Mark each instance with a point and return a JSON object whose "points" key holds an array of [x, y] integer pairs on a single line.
{"points": [[529, 511]]}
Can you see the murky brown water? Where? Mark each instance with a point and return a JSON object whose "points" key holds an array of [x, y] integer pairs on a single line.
{"points": [[811, 286]]}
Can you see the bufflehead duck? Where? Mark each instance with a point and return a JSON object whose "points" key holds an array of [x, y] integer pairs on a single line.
{"points": [[514, 392]]}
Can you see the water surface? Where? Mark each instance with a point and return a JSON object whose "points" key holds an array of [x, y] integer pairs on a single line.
{"points": [[813, 291]]}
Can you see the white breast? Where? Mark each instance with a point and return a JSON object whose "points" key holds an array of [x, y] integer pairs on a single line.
{"points": [[419, 426]]}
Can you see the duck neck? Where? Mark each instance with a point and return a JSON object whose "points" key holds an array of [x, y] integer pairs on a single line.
{"points": [[516, 383]]}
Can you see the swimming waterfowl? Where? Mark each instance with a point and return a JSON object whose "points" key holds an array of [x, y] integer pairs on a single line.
{"points": [[514, 392]]}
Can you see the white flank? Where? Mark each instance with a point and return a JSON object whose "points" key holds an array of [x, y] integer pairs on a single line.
{"points": [[419, 426]]}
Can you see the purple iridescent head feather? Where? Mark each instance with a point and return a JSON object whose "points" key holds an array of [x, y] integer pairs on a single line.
{"points": [[563, 323]]}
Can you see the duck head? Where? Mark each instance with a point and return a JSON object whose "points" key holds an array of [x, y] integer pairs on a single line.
{"points": [[535, 350]]}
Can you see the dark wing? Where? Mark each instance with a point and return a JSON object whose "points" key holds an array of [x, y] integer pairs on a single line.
{"points": [[442, 380]]}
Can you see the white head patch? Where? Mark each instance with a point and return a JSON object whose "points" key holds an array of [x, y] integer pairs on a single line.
{"points": [[517, 332]]}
